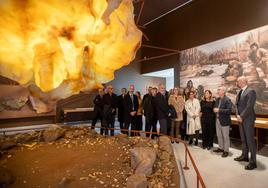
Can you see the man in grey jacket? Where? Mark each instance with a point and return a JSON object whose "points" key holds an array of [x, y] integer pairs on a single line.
{"points": [[223, 110], [245, 113]]}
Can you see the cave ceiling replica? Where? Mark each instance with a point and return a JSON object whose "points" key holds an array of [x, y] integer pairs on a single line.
{"points": [[58, 48]]}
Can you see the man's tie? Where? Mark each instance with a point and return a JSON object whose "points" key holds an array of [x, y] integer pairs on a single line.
{"points": [[131, 96], [239, 94]]}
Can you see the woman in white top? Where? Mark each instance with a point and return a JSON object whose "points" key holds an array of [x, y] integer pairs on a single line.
{"points": [[192, 107]]}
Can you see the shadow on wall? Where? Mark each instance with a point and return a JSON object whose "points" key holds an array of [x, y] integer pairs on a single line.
{"points": [[130, 74]]}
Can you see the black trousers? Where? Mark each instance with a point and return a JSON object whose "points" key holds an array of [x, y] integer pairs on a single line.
{"points": [[132, 122], [108, 123], [163, 126], [121, 123], [246, 130], [196, 136], [150, 126], [207, 132], [98, 116], [139, 123]]}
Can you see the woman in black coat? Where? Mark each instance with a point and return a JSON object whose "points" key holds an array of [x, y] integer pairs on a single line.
{"points": [[207, 119]]}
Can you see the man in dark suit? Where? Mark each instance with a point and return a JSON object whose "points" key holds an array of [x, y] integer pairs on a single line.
{"points": [[246, 117], [131, 106], [162, 109], [109, 110], [149, 111], [223, 110], [98, 108], [120, 115]]}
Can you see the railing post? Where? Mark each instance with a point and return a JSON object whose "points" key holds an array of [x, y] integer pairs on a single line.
{"points": [[185, 165], [197, 182]]}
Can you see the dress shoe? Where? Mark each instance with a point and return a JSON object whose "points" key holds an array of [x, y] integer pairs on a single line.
{"points": [[208, 148], [251, 166], [218, 150], [190, 142], [241, 158], [172, 142], [177, 142], [225, 154]]}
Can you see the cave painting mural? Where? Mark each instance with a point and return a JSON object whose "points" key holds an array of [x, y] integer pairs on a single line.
{"points": [[220, 63]]}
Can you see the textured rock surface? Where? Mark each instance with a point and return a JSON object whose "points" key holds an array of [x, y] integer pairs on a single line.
{"points": [[137, 181], [53, 133], [142, 160]]}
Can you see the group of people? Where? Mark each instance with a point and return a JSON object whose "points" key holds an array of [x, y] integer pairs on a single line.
{"points": [[181, 115]]}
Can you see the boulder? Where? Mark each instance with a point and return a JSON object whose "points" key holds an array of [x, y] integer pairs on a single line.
{"points": [[27, 137], [53, 133], [142, 160], [65, 181], [165, 145], [137, 181]]}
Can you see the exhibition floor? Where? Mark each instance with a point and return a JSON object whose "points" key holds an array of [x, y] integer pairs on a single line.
{"points": [[218, 172]]}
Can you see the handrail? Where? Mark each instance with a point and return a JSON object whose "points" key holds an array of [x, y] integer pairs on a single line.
{"points": [[187, 152]]}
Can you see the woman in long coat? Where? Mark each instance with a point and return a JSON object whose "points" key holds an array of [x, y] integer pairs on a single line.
{"points": [[192, 107], [177, 101]]}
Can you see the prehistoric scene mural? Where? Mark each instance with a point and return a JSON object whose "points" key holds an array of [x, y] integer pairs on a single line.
{"points": [[220, 63]]}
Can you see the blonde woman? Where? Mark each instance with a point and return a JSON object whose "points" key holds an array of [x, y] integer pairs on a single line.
{"points": [[177, 101], [192, 107]]}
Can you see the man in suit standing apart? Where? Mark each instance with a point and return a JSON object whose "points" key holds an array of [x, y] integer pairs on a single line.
{"points": [[121, 111], [131, 106], [162, 109], [246, 117], [109, 110], [223, 110], [98, 108]]}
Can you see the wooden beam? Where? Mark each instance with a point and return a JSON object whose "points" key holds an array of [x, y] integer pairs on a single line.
{"points": [[159, 48], [141, 10], [157, 57]]}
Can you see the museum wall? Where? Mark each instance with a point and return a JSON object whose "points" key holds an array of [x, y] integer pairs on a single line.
{"points": [[200, 22], [130, 74]]}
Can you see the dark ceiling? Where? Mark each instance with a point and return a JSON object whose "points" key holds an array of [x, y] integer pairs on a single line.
{"points": [[152, 9]]}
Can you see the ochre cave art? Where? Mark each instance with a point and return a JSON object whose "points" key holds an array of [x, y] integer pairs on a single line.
{"points": [[58, 48]]}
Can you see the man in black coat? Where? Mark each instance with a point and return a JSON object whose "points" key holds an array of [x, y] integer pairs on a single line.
{"points": [[120, 115], [162, 109], [246, 117], [131, 106], [109, 110], [223, 110], [98, 108]]}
